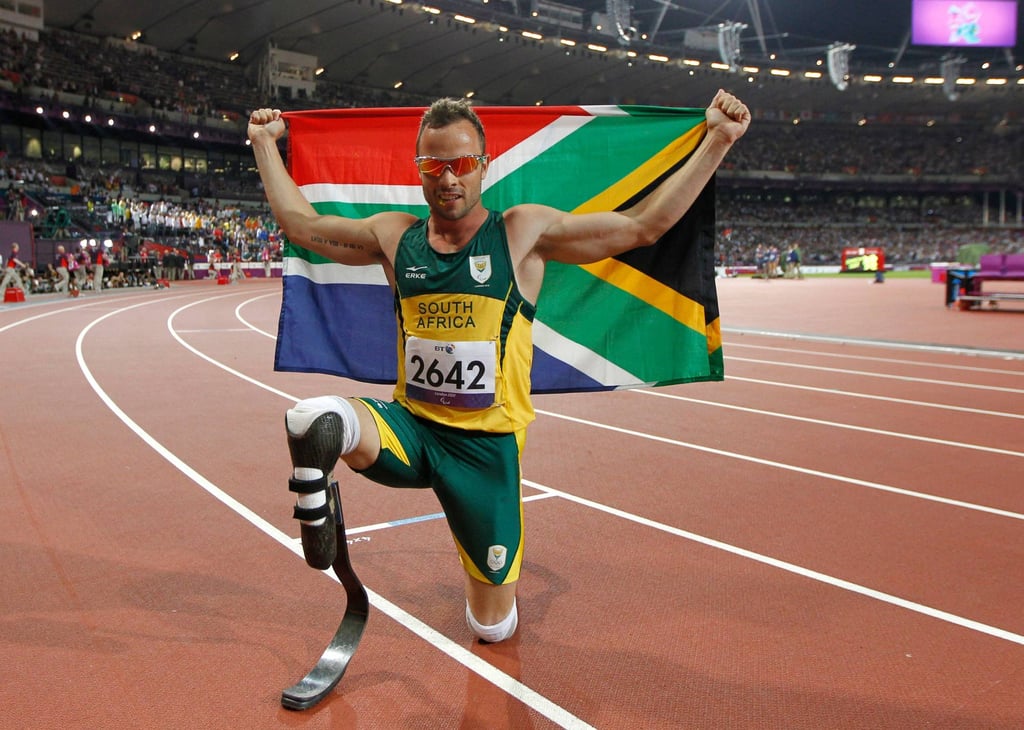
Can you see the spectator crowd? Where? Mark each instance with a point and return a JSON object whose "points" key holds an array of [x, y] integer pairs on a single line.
{"points": [[818, 186]]}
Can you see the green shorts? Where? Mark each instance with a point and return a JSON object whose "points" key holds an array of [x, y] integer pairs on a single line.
{"points": [[476, 476]]}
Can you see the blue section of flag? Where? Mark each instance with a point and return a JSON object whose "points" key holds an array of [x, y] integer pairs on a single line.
{"points": [[359, 342], [551, 375]]}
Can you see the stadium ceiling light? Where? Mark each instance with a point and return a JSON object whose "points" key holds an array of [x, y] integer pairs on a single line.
{"points": [[720, 66], [320, 71], [812, 74], [430, 9], [465, 19], [996, 82], [567, 42], [872, 78], [66, 114], [395, 2], [966, 82], [751, 69], [657, 58], [596, 48], [691, 62], [39, 110], [398, 84], [779, 72], [534, 36], [903, 79], [234, 56], [934, 80], [631, 54], [1020, 82]]}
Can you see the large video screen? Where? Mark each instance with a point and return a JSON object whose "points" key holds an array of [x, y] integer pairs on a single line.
{"points": [[977, 23]]}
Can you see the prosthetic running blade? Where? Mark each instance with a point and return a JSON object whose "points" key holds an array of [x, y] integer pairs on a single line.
{"points": [[327, 672]]}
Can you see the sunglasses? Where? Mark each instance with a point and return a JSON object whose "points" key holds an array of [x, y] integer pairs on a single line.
{"points": [[434, 166]]}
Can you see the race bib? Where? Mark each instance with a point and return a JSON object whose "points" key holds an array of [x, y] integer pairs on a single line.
{"points": [[456, 374]]}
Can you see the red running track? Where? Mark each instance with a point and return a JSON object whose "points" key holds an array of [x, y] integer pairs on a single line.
{"points": [[831, 538]]}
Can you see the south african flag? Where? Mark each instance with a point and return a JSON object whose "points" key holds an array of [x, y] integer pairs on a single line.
{"points": [[647, 317]]}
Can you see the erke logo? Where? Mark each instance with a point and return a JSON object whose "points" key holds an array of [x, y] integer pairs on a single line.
{"points": [[415, 272]]}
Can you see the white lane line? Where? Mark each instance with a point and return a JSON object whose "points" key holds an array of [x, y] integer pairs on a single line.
{"points": [[730, 454], [243, 320], [869, 396], [63, 310], [422, 518], [774, 562], [790, 467], [832, 424], [792, 568], [866, 374], [213, 330], [891, 344], [889, 360], [487, 671]]}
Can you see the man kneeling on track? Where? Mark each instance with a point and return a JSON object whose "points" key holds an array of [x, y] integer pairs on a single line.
{"points": [[461, 405]]}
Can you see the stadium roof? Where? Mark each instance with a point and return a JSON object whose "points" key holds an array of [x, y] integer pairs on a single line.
{"points": [[433, 48]]}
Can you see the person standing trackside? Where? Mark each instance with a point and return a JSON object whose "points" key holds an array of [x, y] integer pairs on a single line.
{"points": [[12, 272], [81, 270], [99, 262], [63, 277], [464, 444]]}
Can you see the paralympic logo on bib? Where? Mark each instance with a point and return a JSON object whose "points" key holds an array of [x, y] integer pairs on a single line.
{"points": [[496, 557]]}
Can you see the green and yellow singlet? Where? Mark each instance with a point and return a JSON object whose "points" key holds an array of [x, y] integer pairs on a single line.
{"points": [[465, 346]]}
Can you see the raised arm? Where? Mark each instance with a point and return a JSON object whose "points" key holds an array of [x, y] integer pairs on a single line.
{"points": [[590, 237], [345, 240]]}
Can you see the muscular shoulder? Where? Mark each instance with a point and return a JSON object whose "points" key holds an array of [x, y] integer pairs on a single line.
{"points": [[525, 225], [388, 228]]}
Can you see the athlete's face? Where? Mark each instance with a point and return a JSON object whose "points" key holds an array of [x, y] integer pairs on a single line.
{"points": [[452, 196]]}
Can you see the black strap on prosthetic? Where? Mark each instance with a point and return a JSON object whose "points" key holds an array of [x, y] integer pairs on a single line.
{"points": [[327, 672], [310, 486]]}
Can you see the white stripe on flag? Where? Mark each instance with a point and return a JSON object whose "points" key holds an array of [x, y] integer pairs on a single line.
{"points": [[583, 359], [605, 110], [332, 273], [363, 194], [501, 166], [533, 146]]}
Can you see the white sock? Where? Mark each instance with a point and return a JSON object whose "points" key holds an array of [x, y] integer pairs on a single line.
{"points": [[313, 500], [495, 632]]}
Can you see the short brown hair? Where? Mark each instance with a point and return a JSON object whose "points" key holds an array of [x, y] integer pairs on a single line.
{"points": [[444, 112]]}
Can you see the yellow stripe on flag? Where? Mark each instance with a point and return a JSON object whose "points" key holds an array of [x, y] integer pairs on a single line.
{"points": [[645, 175], [683, 309]]}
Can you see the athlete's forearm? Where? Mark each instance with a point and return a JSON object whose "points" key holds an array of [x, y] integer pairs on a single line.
{"points": [[287, 203], [663, 208]]}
